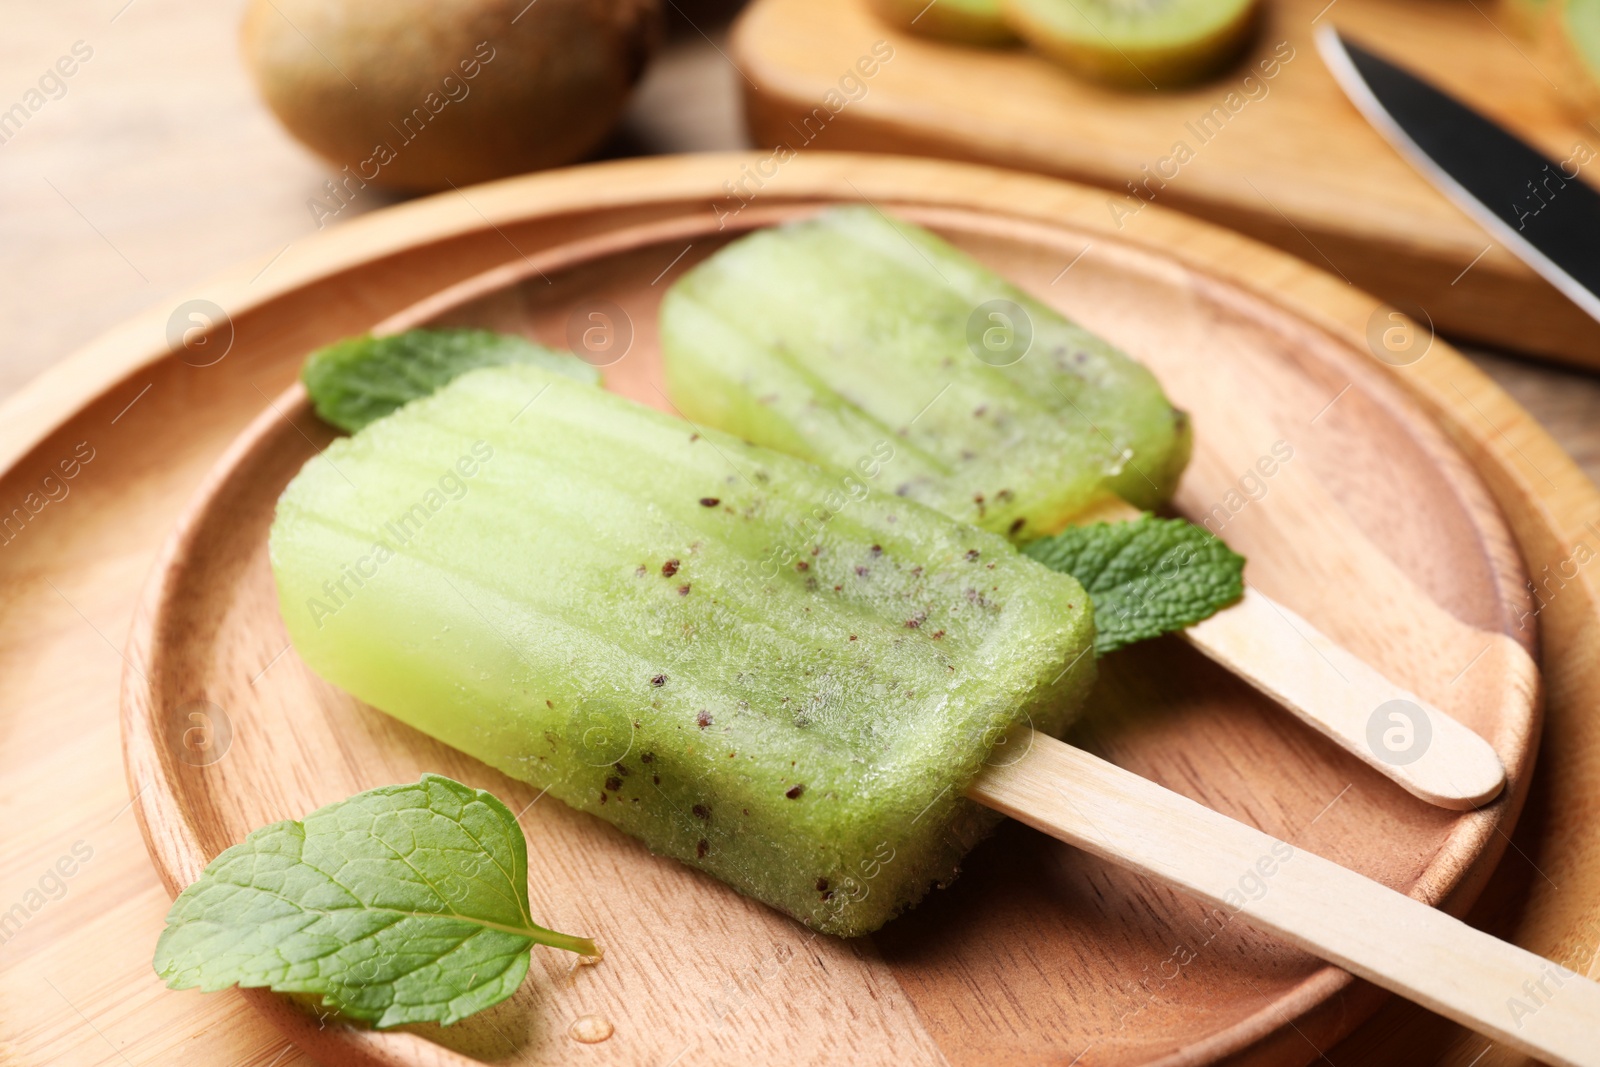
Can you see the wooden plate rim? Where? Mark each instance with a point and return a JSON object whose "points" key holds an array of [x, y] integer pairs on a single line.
{"points": [[175, 857]]}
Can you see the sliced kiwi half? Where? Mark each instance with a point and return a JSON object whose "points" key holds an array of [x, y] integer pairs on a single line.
{"points": [[968, 21], [1136, 43], [1573, 36], [1525, 18]]}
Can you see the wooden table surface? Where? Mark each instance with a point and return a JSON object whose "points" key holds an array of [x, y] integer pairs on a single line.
{"points": [[155, 169]]}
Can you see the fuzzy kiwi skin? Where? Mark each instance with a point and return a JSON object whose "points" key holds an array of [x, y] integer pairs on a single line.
{"points": [[1132, 67], [979, 22], [343, 76]]}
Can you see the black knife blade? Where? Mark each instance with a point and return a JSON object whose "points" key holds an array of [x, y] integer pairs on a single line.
{"points": [[1538, 208]]}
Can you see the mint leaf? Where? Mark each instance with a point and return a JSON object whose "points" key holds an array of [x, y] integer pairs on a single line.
{"points": [[1146, 577], [403, 904], [362, 379]]}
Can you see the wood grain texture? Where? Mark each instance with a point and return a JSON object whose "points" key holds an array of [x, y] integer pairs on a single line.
{"points": [[1430, 754], [75, 983], [1308, 674], [211, 618], [1405, 946], [160, 166], [1285, 159], [157, 166]]}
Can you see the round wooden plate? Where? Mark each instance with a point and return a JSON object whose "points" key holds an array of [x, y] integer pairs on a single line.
{"points": [[1352, 506]]}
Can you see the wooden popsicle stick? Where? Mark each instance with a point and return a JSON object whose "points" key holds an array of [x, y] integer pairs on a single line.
{"points": [[1390, 728], [1430, 754], [1504, 992]]}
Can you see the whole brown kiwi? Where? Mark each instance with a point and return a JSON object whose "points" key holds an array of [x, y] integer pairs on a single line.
{"points": [[422, 94]]}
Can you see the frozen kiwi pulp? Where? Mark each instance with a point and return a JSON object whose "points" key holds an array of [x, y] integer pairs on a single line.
{"points": [[1136, 43], [714, 647], [837, 337]]}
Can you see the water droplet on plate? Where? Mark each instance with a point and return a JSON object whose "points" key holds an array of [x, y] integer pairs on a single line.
{"points": [[590, 1029]]}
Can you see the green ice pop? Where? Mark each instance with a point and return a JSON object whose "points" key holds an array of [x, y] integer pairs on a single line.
{"points": [[822, 336], [772, 672]]}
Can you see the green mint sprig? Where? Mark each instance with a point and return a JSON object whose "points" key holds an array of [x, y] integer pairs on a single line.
{"points": [[1147, 577], [403, 904], [361, 379]]}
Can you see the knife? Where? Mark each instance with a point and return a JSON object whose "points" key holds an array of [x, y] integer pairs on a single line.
{"points": [[1539, 209]]}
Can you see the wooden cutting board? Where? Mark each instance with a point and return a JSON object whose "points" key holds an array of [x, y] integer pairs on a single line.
{"points": [[1284, 158], [75, 981]]}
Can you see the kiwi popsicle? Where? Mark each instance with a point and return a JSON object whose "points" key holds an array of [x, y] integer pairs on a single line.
{"points": [[774, 673], [820, 335], [824, 336]]}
